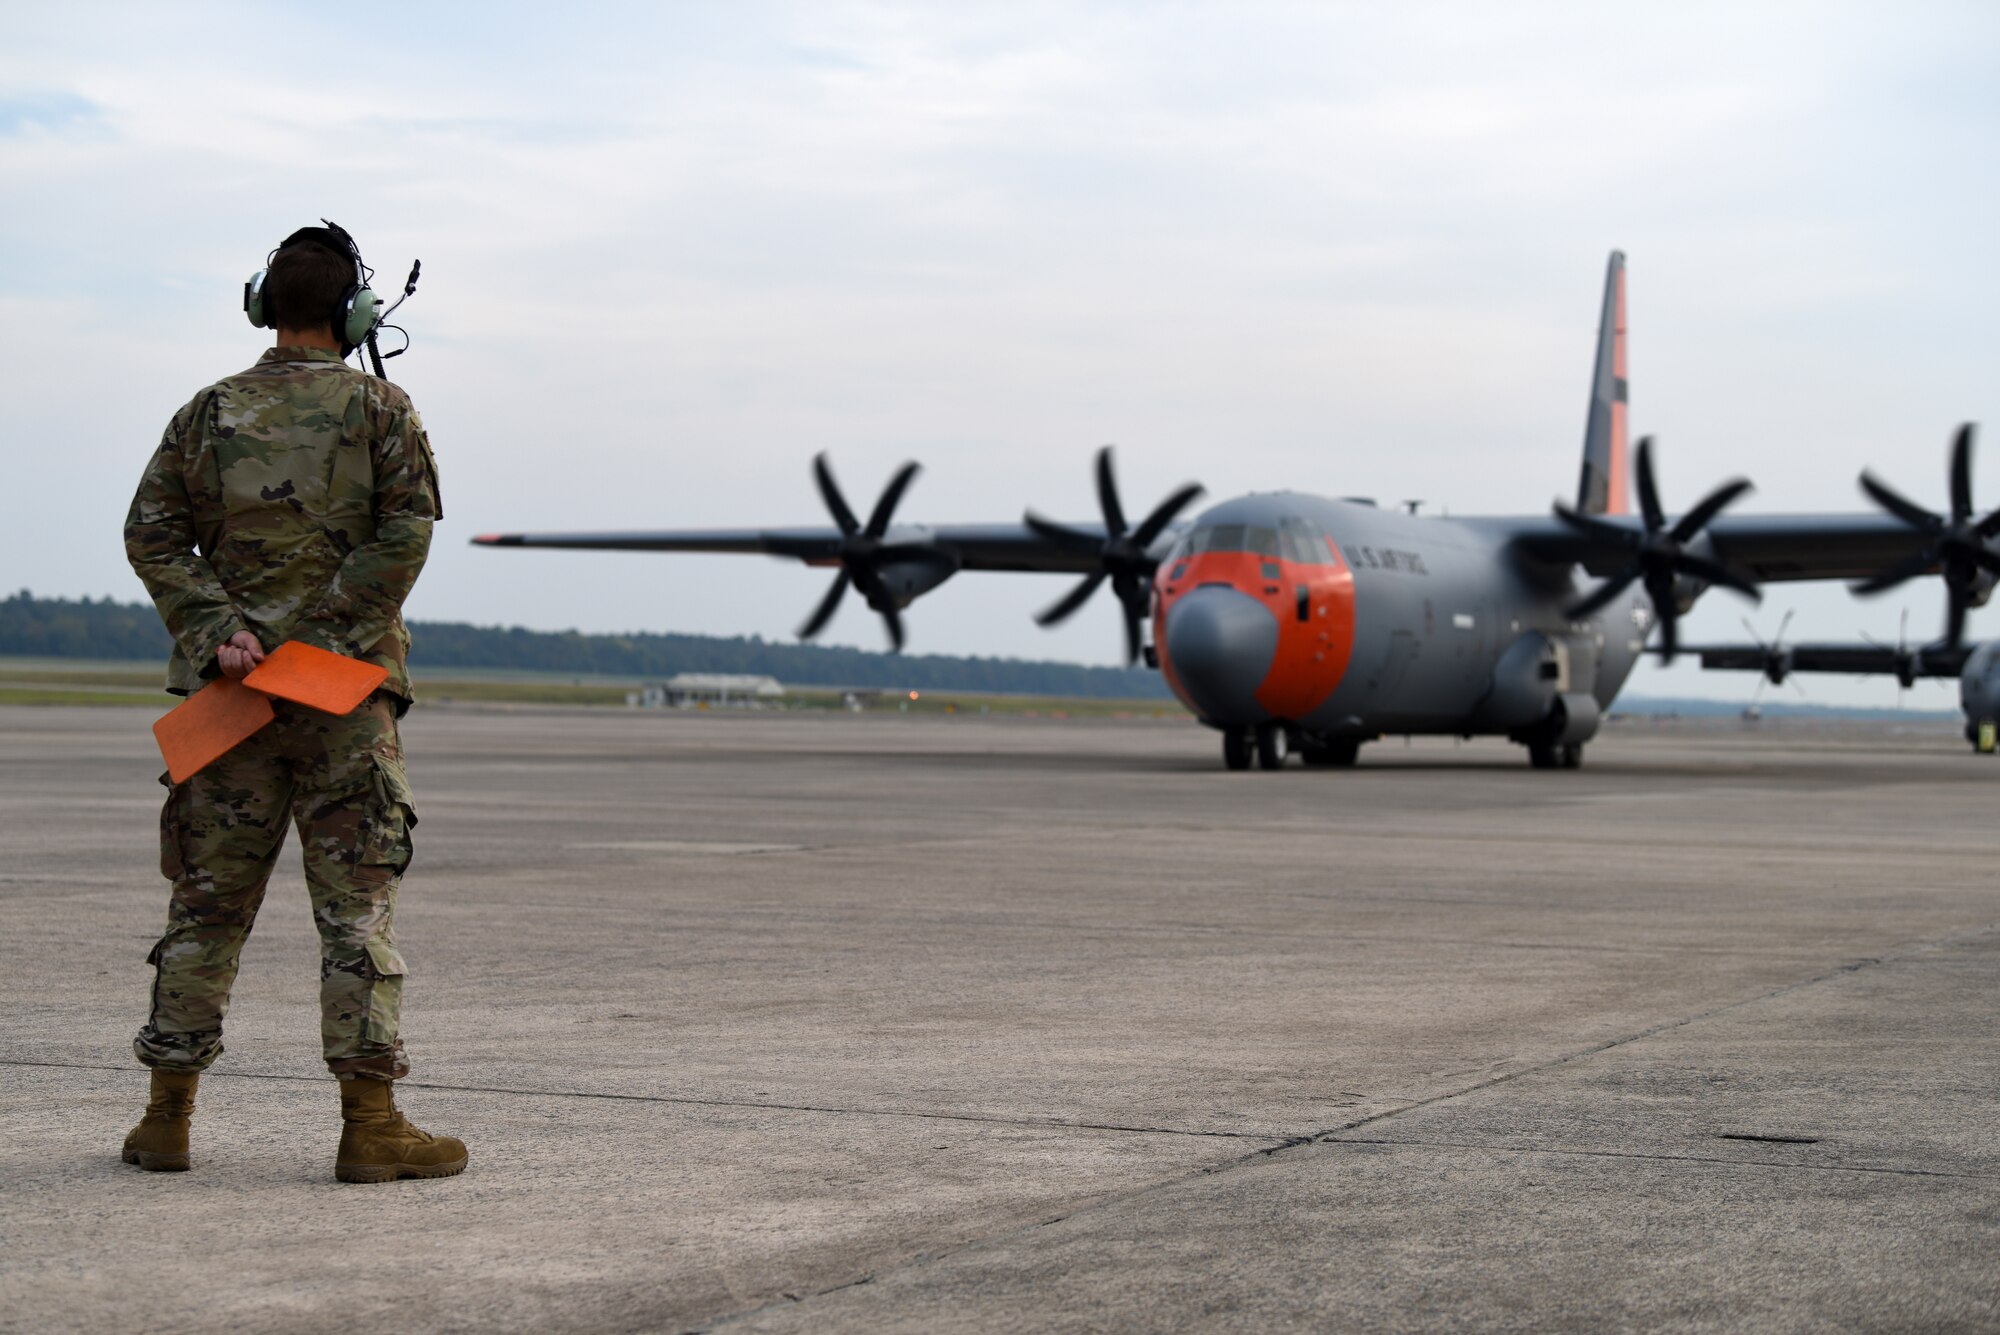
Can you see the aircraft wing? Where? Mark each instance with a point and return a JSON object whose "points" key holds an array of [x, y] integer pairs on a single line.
{"points": [[1014, 547], [1857, 659], [1771, 548]]}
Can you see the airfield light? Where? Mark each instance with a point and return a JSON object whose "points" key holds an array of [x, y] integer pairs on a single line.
{"points": [[913, 695]]}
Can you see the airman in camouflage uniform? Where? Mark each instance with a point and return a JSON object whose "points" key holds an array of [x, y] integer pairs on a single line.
{"points": [[291, 502]]}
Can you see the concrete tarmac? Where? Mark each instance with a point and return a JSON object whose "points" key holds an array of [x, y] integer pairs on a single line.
{"points": [[830, 1023]]}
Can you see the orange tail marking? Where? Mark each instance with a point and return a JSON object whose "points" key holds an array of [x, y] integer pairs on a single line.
{"points": [[1618, 502]]}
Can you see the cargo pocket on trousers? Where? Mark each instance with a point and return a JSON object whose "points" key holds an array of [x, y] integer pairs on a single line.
{"points": [[382, 1006], [385, 845], [172, 861]]}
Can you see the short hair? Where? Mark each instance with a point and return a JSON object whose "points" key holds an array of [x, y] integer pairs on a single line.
{"points": [[305, 284]]}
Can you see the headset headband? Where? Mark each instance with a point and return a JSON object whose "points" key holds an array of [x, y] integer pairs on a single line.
{"points": [[332, 236]]}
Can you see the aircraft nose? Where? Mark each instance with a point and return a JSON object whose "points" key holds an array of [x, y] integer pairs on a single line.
{"points": [[1221, 644]]}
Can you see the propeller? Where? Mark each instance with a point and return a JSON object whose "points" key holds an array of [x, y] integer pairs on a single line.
{"points": [[863, 553], [1906, 659], [1956, 547], [1777, 658], [1659, 555], [1121, 552]]}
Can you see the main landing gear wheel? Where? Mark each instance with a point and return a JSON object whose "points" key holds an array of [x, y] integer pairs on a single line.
{"points": [[1551, 756], [1273, 745], [1236, 748], [1340, 752]]}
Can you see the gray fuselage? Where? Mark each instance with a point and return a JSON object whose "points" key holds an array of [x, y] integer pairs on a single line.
{"points": [[1345, 621]]}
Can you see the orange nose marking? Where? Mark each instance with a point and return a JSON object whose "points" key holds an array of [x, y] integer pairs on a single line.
{"points": [[1312, 655]]}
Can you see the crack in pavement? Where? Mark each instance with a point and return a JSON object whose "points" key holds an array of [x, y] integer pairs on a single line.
{"points": [[1329, 1136], [1040, 1123]]}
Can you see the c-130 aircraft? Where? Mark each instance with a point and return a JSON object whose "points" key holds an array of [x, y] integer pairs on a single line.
{"points": [[1290, 622]]}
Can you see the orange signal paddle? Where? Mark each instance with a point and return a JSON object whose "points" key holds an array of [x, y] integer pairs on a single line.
{"points": [[320, 680], [208, 723]]}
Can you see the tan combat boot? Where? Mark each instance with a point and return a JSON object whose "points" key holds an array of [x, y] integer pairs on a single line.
{"points": [[159, 1144], [378, 1144]]}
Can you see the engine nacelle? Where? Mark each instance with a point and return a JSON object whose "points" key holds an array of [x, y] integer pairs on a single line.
{"points": [[907, 579]]}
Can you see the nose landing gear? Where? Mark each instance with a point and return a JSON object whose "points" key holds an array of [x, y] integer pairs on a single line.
{"points": [[1272, 746], [1269, 744]]}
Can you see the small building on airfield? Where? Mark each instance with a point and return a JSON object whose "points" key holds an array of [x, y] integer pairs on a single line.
{"points": [[713, 690]]}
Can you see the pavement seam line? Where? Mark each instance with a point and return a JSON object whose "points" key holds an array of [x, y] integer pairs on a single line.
{"points": [[1908, 951], [1043, 1124], [1663, 1158], [923, 1259], [1327, 1136]]}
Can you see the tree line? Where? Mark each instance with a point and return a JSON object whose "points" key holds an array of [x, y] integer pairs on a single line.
{"points": [[104, 629]]}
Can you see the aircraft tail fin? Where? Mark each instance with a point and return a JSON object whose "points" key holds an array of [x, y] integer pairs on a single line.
{"points": [[1605, 488]]}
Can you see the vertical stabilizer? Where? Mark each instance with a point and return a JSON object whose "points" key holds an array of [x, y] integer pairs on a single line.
{"points": [[1605, 488]]}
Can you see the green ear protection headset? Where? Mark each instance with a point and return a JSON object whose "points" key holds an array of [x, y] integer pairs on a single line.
{"points": [[356, 312]]}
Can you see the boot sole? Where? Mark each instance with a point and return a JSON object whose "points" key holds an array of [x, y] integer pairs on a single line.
{"points": [[389, 1172], [163, 1163]]}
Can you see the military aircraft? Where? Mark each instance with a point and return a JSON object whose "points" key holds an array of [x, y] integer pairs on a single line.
{"points": [[1291, 622], [1976, 667]]}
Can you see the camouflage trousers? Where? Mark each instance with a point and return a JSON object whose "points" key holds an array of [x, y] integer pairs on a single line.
{"points": [[341, 781]]}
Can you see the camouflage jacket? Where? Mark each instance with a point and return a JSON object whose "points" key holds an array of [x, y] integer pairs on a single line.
{"points": [[295, 501]]}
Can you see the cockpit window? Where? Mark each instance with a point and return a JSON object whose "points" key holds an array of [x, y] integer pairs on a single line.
{"points": [[1303, 542], [1253, 538], [1294, 539]]}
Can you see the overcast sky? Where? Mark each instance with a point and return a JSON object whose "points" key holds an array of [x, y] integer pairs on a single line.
{"points": [[671, 251]]}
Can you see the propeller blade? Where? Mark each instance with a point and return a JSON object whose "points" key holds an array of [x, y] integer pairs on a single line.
{"points": [[1906, 510], [1755, 636], [1907, 568], [1135, 599], [1163, 514], [1062, 534], [1598, 530], [1987, 558], [1989, 526], [1649, 492], [1062, 609], [893, 619], [1670, 638], [1602, 595], [1779, 638], [892, 495], [1954, 616], [829, 491], [1719, 574], [1961, 475], [1697, 519], [1107, 495], [824, 612]]}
